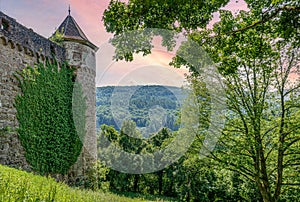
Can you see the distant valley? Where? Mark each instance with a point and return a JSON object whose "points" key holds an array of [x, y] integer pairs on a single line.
{"points": [[150, 107]]}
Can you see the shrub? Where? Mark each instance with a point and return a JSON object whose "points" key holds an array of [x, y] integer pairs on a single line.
{"points": [[97, 177]]}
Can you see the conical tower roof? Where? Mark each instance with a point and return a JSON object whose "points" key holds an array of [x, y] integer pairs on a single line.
{"points": [[72, 32]]}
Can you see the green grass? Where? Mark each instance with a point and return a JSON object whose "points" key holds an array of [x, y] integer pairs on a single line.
{"points": [[16, 185]]}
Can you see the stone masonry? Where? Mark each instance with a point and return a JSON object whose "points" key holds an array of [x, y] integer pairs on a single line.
{"points": [[20, 47]]}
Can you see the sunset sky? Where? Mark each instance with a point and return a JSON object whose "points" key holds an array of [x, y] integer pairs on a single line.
{"points": [[44, 16]]}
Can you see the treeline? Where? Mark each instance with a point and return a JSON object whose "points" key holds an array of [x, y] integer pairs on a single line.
{"points": [[136, 103], [189, 179]]}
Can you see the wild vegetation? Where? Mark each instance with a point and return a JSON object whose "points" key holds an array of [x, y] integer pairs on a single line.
{"points": [[256, 54], [189, 179], [256, 154], [16, 185]]}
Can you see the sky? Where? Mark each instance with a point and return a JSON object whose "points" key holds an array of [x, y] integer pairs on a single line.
{"points": [[44, 16]]}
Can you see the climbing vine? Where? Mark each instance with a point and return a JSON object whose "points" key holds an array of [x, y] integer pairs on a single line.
{"points": [[57, 37], [51, 115]]}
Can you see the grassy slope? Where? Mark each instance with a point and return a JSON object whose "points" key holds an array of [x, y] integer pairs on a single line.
{"points": [[16, 185]]}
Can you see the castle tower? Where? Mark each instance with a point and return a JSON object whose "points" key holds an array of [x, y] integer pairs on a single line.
{"points": [[80, 53]]}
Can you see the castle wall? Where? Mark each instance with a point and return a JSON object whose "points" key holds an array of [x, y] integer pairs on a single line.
{"points": [[11, 152], [27, 41], [83, 57], [19, 47]]}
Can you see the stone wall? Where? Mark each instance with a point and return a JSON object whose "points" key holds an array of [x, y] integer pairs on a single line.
{"points": [[11, 152], [27, 41], [19, 47], [83, 57]]}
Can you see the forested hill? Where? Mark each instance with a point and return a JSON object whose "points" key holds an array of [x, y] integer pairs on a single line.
{"points": [[151, 107]]}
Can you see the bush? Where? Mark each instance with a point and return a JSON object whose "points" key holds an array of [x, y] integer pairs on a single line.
{"points": [[97, 177]]}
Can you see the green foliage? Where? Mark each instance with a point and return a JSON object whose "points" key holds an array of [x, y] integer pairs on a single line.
{"points": [[189, 179], [18, 185], [188, 17], [179, 15], [143, 99], [51, 115], [129, 140], [144, 197], [257, 55], [97, 177], [259, 138], [57, 37]]}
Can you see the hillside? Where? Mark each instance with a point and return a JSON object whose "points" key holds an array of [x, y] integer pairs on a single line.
{"points": [[16, 185], [141, 104]]}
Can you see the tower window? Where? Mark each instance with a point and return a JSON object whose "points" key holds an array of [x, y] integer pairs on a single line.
{"points": [[77, 56], [4, 25]]}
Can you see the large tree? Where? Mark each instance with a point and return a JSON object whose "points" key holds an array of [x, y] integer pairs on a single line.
{"points": [[260, 140], [190, 15], [257, 55]]}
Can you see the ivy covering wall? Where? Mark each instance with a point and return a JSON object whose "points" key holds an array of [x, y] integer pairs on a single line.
{"points": [[51, 115]]}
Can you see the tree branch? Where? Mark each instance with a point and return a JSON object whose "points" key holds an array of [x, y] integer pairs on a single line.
{"points": [[266, 18]]}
